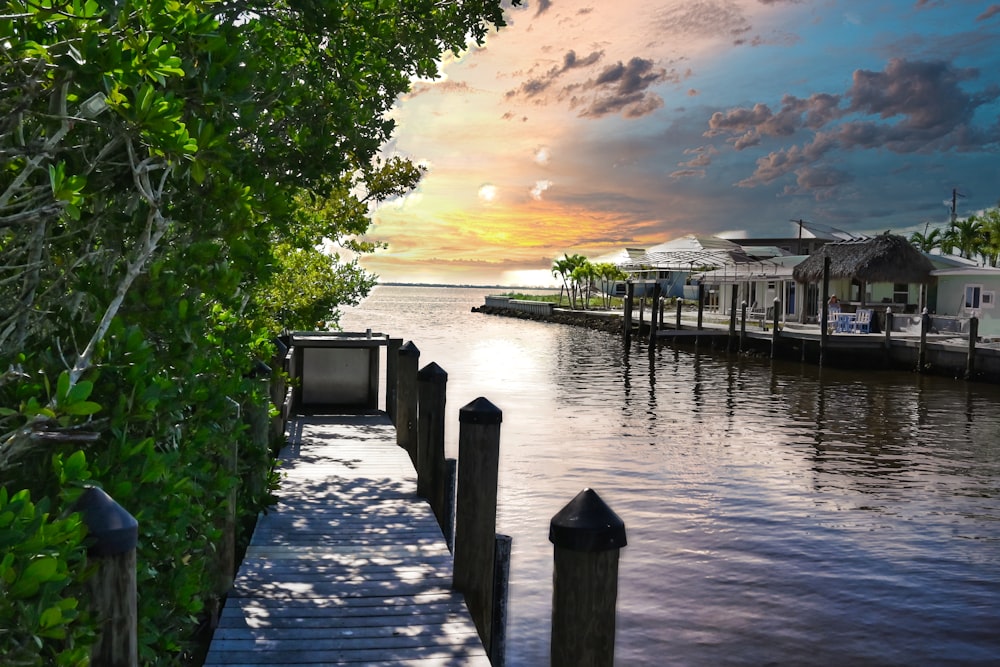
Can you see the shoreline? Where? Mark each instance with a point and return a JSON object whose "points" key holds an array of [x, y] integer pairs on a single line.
{"points": [[945, 356]]}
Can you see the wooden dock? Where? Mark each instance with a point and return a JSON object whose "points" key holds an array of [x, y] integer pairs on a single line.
{"points": [[350, 567]]}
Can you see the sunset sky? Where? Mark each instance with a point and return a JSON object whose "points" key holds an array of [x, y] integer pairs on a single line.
{"points": [[588, 126]]}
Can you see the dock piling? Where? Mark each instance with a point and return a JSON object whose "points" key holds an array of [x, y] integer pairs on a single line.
{"points": [[113, 595], [432, 383], [406, 399], [775, 316], [587, 538], [970, 362], [476, 510]]}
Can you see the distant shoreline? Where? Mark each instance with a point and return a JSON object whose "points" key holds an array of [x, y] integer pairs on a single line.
{"points": [[449, 286]]}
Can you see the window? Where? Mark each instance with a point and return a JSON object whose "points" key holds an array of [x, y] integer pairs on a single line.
{"points": [[988, 299], [900, 293], [973, 295]]}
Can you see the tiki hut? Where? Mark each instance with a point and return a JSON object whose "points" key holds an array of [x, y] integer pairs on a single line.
{"points": [[886, 258]]}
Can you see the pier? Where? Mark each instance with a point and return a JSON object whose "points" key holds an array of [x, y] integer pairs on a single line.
{"points": [[350, 566]]}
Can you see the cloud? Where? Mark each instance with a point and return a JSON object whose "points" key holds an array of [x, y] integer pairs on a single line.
{"points": [[909, 106], [623, 88], [619, 88], [540, 187], [990, 12]]}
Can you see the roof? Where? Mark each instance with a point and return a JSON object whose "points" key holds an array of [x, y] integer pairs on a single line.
{"points": [[767, 269], [623, 256], [691, 252], [968, 271], [886, 258]]}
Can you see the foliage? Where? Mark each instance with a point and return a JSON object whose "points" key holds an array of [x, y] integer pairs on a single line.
{"points": [[564, 268], [976, 237], [170, 173], [608, 274], [42, 565]]}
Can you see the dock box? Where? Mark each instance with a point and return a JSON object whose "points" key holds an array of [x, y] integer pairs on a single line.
{"points": [[335, 370]]}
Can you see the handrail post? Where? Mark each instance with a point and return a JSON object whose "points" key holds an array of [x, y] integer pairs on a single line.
{"points": [[476, 510], [113, 585], [588, 537], [392, 376], [406, 399], [433, 385]]}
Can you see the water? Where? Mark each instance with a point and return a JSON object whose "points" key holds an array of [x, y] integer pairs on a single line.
{"points": [[775, 514]]}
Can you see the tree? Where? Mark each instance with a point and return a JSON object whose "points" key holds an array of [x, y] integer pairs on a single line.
{"points": [[564, 268], [926, 241], [166, 169], [609, 274], [968, 235], [990, 220], [583, 276]]}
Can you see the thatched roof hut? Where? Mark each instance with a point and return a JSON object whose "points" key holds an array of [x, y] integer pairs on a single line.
{"points": [[886, 258]]}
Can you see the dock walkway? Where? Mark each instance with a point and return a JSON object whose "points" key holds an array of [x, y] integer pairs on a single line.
{"points": [[350, 567]]}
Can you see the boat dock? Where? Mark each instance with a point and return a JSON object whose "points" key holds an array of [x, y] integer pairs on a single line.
{"points": [[350, 566]]}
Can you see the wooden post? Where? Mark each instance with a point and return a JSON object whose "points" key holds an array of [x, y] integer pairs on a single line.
{"points": [[970, 361], [888, 332], [743, 324], [774, 326], [476, 510], [733, 305], [451, 486], [501, 596], [925, 324], [433, 385], [701, 304], [392, 376], [406, 399], [680, 307], [642, 308], [824, 317], [113, 599], [588, 537], [629, 304], [654, 312]]}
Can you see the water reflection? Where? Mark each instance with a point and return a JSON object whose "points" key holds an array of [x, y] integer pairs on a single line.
{"points": [[777, 512]]}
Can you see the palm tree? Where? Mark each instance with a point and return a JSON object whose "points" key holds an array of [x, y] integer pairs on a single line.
{"points": [[926, 241], [563, 268], [968, 236], [990, 220], [583, 278], [608, 274]]}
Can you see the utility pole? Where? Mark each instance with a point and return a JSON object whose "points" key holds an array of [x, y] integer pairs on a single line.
{"points": [[955, 194], [801, 222]]}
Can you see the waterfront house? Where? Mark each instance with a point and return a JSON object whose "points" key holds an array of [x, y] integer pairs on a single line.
{"points": [[673, 263], [963, 292], [883, 270]]}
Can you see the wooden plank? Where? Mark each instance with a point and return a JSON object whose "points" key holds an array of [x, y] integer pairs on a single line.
{"points": [[349, 567]]}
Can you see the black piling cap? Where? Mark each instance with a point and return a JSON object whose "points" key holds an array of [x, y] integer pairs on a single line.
{"points": [[432, 373], [111, 529], [587, 524], [480, 411], [408, 349]]}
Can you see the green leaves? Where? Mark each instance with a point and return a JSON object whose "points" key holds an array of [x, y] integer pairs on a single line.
{"points": [[41, 571]]}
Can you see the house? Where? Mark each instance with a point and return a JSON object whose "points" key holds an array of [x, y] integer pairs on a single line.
{"points": [[881, 270], [964, 292]]}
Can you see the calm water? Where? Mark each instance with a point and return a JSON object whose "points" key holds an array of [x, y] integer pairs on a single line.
{"points": [[776, 514]]}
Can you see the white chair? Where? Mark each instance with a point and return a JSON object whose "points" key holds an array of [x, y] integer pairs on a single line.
{"points": [[863, 321]]}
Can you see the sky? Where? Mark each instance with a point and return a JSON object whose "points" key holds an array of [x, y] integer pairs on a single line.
{"points": [[589, 126]]}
